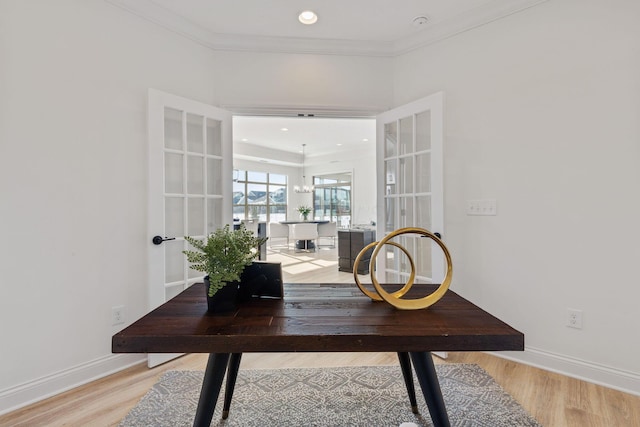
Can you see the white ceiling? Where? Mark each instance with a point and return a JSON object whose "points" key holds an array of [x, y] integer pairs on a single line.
{"points": [[328, 138], [351, 27], [344, 27]]}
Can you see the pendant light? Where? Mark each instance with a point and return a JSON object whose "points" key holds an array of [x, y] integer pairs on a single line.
{"points": [[305, 188]]}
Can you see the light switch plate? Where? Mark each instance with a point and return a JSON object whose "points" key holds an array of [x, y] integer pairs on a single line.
{"points": [[482, 207]]}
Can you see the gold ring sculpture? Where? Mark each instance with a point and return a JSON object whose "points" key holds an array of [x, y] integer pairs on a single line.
{"points": [[395, 298]]}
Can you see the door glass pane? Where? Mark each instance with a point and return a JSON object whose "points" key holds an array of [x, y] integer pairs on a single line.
{"points": [[390, 214], [214, 137], [405, 175], [423, 212], [423, 258], [172, 129], [195, 175], [404, 265], [390, 173], [174, 261], [214, 176], [391, 276], [173, 173], [406, 212], [405, 144], [195, 138], [214, 214], [423, 131], [423, 173], [195, 217], [174, 217], [191, 273], [390, 139], [392, 257]]}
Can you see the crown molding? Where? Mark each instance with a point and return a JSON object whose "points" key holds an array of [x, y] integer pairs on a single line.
{"points": [[435, 32], [469, 20]]}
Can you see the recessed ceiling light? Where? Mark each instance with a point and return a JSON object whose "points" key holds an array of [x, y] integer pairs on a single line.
{"points": [[244, 140], [308, 17], [284, 129], [365, 139], [339, 145]]}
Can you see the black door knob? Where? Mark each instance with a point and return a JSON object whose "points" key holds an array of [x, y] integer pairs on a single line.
{"points": [[157, 240]]}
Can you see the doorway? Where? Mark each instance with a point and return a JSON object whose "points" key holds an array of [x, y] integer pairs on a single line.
{"points": [[336, 147]]}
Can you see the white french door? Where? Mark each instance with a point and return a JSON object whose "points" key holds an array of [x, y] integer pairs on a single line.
{"points": [[410, 187], [190, 171]]}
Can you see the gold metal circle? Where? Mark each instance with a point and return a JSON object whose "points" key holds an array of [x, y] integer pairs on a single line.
{"points": [[374, 296], [412, 304]]}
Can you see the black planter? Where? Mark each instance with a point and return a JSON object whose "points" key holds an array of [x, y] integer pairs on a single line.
{"points": [[224, 300]]}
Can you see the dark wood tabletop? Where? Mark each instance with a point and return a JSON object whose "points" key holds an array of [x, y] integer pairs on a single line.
{"points": [[316, 318]]}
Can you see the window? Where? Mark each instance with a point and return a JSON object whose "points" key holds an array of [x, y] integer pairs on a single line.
{"points": [[259, 195], [332, 198]]}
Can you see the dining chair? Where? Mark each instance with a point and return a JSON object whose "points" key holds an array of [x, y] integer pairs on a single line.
{"points": [[328, 230], [278, 231], [305, 235]]}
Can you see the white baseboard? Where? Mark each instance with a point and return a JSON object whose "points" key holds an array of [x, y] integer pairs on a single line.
{"points": [[25, 394], [625, 381]]}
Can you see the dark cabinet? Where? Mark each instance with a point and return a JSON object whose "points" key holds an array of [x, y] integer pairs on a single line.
{"points": [[350, 243]]}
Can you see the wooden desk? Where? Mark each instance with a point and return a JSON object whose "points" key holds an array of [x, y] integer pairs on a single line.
{"points": [[317, 318]]}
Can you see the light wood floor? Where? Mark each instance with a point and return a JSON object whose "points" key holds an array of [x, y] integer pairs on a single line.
{"points": [[554, 400]]}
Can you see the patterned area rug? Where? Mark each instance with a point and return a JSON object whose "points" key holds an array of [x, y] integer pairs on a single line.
{"points": [[350, 396]]}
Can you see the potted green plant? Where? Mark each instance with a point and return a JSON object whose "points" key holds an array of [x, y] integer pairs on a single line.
{"points": [[304, 212], [223, 255]]}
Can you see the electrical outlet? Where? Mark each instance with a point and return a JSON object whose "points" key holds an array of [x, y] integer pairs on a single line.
{"points": [[117, 315], [574, 318]]}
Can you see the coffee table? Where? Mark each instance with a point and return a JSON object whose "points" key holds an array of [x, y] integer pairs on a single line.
{"points": [[317, 318]]}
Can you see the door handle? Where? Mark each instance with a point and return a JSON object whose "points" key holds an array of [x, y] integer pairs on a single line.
{"points": [[157, 240], [438, 235]]}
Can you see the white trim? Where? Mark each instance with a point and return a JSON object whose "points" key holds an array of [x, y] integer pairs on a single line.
{"points": [[317, 110], [474, 18], [42, 388], [617, 379], [435, 32]]}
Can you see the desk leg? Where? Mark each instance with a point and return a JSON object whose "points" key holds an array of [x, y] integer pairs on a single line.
{"points": [[428, 379], [232, 375], [211, 384], [405, 365]]}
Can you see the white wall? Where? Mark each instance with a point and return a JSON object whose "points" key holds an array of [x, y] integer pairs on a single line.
{"points": [[73, 171], [274, 79], [542, 114], [73, 94]]}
